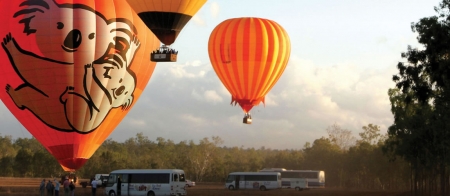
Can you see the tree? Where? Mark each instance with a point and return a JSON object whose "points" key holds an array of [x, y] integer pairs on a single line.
{"points": [[23, 163], [202, 156], [7, 147], [421, 101], [325, 155], [341, 137], [371, 134]]}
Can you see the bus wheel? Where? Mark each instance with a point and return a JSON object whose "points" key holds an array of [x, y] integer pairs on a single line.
{"points": [[112, 193], [150, 194], [262, 188], [231, 187], [298, 189]]}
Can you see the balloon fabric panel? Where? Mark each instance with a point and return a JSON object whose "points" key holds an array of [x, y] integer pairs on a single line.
{"points": [[166, 18], [249, 55], [72, 70], [186, 7]]}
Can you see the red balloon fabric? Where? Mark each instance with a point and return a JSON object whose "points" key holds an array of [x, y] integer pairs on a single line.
{"points": [[72, 69]]}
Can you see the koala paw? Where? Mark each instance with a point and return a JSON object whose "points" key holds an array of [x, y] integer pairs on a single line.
{"points": [[135, 41], [9, 89], [14, 95], [64, 96], [8, 38]]}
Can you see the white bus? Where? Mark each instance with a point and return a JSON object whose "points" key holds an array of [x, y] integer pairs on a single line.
{"points": [[253, 180], [147, 182], [315, 178]]}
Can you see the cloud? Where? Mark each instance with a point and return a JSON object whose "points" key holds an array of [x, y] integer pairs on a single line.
{"points": [[212, 96], [344, 93], [215, 9], [198, 20], [137, 122], [381, 40], [193, 120], [179, 71], [209, 96]]}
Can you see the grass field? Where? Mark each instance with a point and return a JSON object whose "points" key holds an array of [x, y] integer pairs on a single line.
{"points": [[30, 187]]}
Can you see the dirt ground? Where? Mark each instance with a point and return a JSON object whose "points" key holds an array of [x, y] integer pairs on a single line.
{"points": [[30, 187]]}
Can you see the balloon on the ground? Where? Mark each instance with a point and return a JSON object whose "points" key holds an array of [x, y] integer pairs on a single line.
{"points": [[249, 55], [71, 70]]}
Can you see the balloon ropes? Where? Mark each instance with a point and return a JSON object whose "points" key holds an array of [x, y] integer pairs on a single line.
{"points": [[248, 55], [166, 19], [71, 70]]}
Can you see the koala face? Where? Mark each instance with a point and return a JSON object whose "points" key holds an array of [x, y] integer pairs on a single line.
{"points": [[72, 35], [118, 83], [76, 38]]}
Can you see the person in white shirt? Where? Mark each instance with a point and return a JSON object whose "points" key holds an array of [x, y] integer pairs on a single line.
{"points": [[94, 186]]}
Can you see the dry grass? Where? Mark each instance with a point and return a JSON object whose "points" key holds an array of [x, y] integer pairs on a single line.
{"points": [[30, 187]]}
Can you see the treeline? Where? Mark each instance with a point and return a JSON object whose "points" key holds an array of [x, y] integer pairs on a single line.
{"points": [[347, 162], [420, 103]]}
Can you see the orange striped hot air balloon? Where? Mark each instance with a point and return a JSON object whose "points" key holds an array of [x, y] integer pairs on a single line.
{"points": [[166, 19], [249, 55], [70, 70]]}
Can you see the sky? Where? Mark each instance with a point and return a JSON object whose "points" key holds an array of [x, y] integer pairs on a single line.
{"points": [[343, 56]]}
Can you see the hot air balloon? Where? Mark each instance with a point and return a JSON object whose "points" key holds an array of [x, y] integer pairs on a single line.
{"points": [[71, 70], [248, 55], [166, 18]]}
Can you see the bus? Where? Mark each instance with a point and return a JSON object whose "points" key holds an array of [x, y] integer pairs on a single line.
{"points": [[314, 178], [147, 182], [253, 180]]}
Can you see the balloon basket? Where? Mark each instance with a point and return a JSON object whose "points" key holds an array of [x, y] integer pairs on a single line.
{"points": [[163, 57], [164, 54], [247, 120]]}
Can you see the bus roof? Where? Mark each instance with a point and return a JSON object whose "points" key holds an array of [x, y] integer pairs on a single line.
{"points": [[138, 171], [274, 170], [253, 173]]}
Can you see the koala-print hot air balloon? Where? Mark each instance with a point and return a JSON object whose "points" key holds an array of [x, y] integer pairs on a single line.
{"points": [[72, 69], [249, 55]]}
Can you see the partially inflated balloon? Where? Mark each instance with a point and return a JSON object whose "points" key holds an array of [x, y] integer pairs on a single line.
{"points": [[71, 70], [249, 55], [166, 18]]}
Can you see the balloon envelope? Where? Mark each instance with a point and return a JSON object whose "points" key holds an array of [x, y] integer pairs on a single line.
{"points": [[249, 55], [166, 18], [71, 70]]}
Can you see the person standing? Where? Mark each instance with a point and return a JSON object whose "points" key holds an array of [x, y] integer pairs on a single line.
{"points": [[66, 187], [94, 186], [57, 187], [72, 188], [49, 188], [42, 187]]}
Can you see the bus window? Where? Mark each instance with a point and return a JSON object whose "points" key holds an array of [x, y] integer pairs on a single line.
{"points": [[182, 179], [123, 178], [230, 178], [175, 177], [111, 180]]}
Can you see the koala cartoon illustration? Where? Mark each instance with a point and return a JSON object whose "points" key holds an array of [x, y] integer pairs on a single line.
{"points": [[82, 69]]}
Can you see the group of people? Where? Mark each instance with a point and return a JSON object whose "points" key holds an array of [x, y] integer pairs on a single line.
{"points": [[165, 51], [68, 188]]}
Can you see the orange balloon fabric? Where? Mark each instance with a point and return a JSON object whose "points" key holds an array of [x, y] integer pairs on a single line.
{"points": [[249, 55], [71, 70], [166, 18]]}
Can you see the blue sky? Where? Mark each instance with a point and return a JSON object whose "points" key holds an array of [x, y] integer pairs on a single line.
{"points": [[343, 56]]}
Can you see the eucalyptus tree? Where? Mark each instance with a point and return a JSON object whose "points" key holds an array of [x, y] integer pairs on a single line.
{"points": [[420, 103]]}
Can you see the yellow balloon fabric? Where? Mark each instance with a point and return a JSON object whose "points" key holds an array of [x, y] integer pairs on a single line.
{"points": [[166, 18]]}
